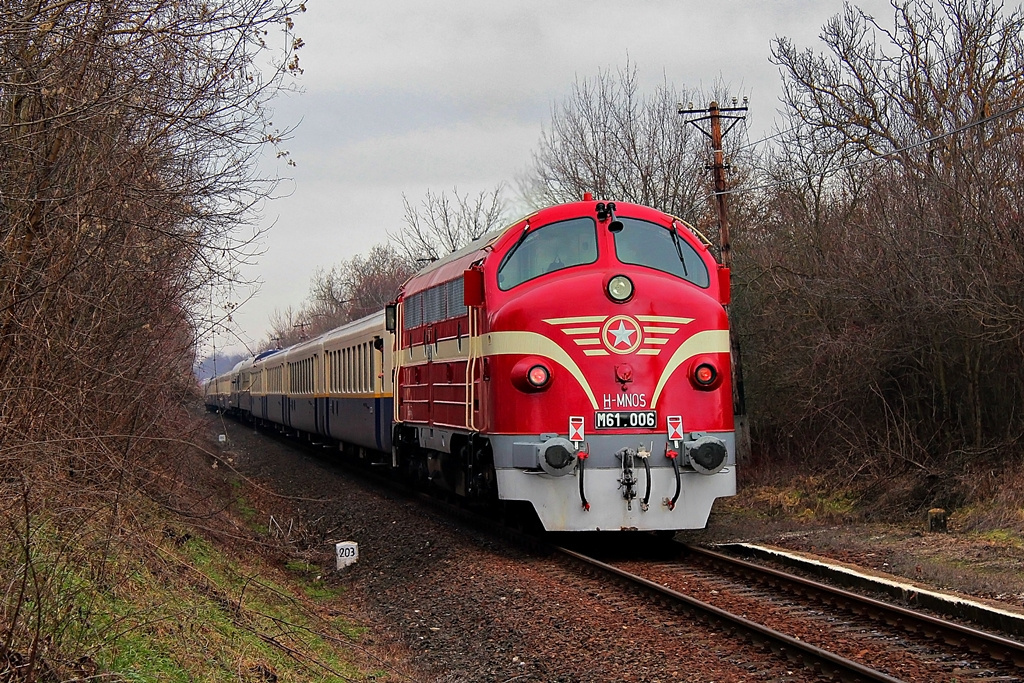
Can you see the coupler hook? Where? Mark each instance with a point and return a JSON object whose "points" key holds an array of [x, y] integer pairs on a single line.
{"points": [[628, 480]]}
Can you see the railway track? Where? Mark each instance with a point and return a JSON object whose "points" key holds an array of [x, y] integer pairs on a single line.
{"points": [[837, 634], [834, 634], [772, 619]]}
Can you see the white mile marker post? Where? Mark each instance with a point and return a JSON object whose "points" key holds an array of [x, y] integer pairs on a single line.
{"points": [[347, 552]]}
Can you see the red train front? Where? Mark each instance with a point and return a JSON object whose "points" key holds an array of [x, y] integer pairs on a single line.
{"points": [[577, 360]]}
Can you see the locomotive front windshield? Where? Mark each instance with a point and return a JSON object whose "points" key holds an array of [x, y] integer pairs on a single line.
{"points": [[641, 243], [547, 249]]}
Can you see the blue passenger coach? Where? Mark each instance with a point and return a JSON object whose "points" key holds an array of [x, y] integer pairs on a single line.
{"points": [[336, 386]]}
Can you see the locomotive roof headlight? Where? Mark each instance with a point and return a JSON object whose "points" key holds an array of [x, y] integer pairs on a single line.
{"points": [[538, 376], [620, 288]]}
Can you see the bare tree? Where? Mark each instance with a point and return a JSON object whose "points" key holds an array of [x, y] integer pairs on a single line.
{"points": [[889, 256], [358, 286], [285, 329], [609, 139], [129, 131], [354, 288], [441, 224]]}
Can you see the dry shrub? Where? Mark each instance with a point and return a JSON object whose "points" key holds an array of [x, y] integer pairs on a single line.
{"points": [[881, 276], [128, 135], [996, 495]]}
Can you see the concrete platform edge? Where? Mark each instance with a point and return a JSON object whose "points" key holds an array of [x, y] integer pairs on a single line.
{"points": [[947, 604]]}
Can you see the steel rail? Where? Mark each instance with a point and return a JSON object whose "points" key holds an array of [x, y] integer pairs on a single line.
{"points": [[979, 642], [818, 659]]}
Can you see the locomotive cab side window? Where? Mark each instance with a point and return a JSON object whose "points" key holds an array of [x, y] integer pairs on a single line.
{"points": [[640, 243], [547, 249]]}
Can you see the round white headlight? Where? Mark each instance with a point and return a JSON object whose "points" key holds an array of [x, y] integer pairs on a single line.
{"points": [[620, 288]]}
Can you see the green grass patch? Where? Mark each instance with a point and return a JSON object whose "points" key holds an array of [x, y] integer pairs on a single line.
{"points": [[171, 606], [242, 506], [1002, 537], [310, 576], [805, 499], [211, 619]]}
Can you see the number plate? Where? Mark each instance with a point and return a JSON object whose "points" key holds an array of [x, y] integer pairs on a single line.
{"points": [[626, 419]]}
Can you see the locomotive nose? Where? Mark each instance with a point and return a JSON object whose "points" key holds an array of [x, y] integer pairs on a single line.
{"points": [[557, 456], [707, 454]]}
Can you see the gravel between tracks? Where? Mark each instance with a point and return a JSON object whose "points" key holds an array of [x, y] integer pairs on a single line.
{"points": [[453, 605]]}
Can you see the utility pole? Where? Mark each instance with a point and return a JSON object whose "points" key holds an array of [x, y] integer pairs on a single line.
{"points": [[714, 115]]}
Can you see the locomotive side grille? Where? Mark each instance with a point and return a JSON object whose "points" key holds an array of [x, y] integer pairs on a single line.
{"points": [[433, 305], [456, 302], [414, 311]]}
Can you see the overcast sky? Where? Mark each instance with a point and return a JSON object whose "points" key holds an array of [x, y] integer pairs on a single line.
{"points": [[402, 96]]}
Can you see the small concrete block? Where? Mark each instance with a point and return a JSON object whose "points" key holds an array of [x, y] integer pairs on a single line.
{"points": [[937, 518], [347, 552]]}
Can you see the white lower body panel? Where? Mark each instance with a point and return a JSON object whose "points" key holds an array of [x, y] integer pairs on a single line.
{"points": [[560, 508]]}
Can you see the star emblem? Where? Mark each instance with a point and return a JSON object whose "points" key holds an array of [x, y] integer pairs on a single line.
{"points": [[621, 334], [603, 335]]}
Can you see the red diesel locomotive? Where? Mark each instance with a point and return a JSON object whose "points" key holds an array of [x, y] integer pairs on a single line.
{"points": [[577, 360]]}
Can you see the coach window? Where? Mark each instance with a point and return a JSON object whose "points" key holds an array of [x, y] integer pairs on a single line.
{"points": [[346, 387], [641, 243], [355, 369], [362, 369], [373, 376], [348, 369], [547, 249], [367, 361]]}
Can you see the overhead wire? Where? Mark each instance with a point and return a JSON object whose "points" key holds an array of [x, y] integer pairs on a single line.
{"points": [[765, 139], [860, 162]]}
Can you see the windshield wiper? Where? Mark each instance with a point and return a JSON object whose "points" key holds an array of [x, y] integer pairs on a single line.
{"points": [[522, 236], [679, 249]]}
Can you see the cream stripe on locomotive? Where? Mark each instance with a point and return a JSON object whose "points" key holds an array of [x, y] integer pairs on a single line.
{"points": [[708, 341], [653, 329], [500, 343], [532, 343]]}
